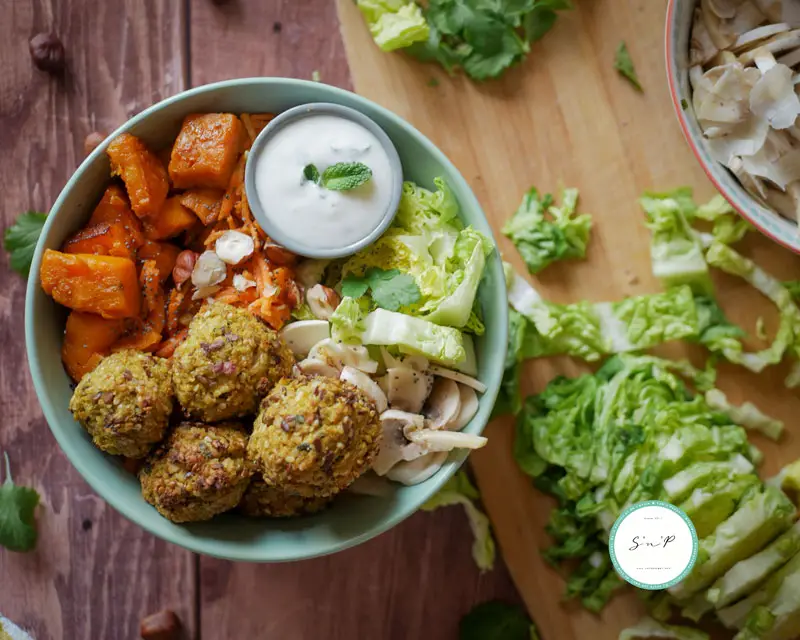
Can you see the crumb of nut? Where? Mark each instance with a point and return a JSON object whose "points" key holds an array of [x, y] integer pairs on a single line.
{"points": [[631, 277], [47, 52], [164, 625], [92, 141]]}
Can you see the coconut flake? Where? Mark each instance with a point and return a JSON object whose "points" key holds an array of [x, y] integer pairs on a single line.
{"points": [[202, 293], [234, 246], [722, 95], [773, 98], [745, 139], [208, 270], [241, 283]]}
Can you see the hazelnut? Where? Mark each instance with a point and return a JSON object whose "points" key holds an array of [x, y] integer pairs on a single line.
{"points": [[184, 265], [47, 52], [164, 625], [92, 141], [278, 255], [322, 301]]}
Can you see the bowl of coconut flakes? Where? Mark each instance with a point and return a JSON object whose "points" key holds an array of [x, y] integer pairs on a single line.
{"points": [[734, 75]]}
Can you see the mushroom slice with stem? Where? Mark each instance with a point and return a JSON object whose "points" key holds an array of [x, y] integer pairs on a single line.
{"points": [[459, 377], [314, 367], [443, 405], [755, 36], [776, 44], [469, 407], [395, 447], [437, 440], [407, 389], [419, 470], [339, 355], [367, 385], [301, 336]]}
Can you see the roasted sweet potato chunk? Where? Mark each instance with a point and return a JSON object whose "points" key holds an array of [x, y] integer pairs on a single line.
{"points": [[105, 285], [102, 239], [205, 203], [115, 209], [145, 334], [164, 253], [88, 338], [206, 151], [144, 176], [173, 219]]}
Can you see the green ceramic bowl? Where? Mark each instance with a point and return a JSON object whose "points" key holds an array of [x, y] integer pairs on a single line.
{"points": [[352, 519]]}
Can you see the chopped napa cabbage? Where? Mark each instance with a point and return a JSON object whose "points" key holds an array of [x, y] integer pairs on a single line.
{"points": [[394, 24], [747, 415], [715, 331], [746, 575], [729, 227], [778, 619], [347, 322], [759, 518], [709, 505], [542, 240], [679, 486], [649, 628], [459, 490], [788, 479]]}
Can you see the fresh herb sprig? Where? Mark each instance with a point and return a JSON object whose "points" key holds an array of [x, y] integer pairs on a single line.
{"points": [[342, 176], [17, 506], [390, 290], [20, 240], [624, 66]]}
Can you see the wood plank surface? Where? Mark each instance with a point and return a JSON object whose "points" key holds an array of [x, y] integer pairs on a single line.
{"points": [[94, 574], [565, 117], [415, 581]]}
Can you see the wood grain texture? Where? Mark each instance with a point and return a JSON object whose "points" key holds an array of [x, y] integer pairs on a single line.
{"points": [[566, 117], [94, 574], [291, 38]]}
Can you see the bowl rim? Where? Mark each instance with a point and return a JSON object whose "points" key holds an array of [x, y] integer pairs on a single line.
{"points": [[206, 545], [680, 113], [311, 110]]}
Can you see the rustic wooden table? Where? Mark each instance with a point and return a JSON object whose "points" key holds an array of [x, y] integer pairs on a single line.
{"points": [[95, 574]]}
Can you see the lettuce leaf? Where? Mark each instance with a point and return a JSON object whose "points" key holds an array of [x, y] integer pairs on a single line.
{"points": [[394, 24]]}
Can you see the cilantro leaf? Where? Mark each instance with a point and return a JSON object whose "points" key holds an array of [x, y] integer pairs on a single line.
{"points": [[496, 620], [17, 505], [344, 176], [624, 65], [354, 287], [391, 289], [20, 240], [311, 173]]}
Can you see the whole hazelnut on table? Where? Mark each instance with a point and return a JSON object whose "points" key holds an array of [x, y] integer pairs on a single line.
{"points": [[164, 625], [91, 141], [47, 52]]}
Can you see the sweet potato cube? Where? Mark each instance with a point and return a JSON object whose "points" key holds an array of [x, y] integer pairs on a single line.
{"points": [[144, 176], [145, 335], [102, 239], [164, 254], [88, 338], [205, 203], [115, 209], [173, 219], [105, 285], [206, 151]]}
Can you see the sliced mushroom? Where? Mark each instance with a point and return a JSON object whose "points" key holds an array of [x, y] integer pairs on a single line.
{"points": [[340, 355], [419, 470], [437, 440], [755, 36], [303, 335], [314, 367], [322, 301], [371, 484], [443, 404], [459, 377], [702, 49], [417, 363], [782, 42], [469, 407], [367, 385], [394, 445], [407, 389], [309, 272]]}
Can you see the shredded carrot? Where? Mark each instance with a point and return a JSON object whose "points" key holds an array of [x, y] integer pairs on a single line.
{"points": [[248, 125], [260, 120], [174, 309], [167, 348]]}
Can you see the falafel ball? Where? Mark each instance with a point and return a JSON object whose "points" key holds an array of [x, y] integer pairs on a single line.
{"points": [[314, 436], [228, 362], [198, 472], [125, 403], [261, 500]]}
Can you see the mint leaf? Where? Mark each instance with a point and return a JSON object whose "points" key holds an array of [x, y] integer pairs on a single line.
{"points": [[624, 65], [20, 240], [391, 289], [496, 620], [354, 287], [311, 173], [344, 176], [17, 505]]}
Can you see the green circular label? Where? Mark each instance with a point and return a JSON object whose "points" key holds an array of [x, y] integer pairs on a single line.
{"points": [[653, 545]]}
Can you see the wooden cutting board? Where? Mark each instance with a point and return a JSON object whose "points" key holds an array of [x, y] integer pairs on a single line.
{"points": [[565, 117]]}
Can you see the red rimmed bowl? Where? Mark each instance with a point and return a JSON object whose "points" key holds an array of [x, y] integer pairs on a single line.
{"points": [[678, 36]]}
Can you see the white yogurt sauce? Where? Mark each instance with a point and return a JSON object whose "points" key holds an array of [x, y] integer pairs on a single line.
{"points": [[306, 212]]}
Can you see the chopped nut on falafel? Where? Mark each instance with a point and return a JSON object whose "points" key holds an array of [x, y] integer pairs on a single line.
{"points": [[262, 500], [125, 403], [314, 436], [228, 362], [198, 472]]}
